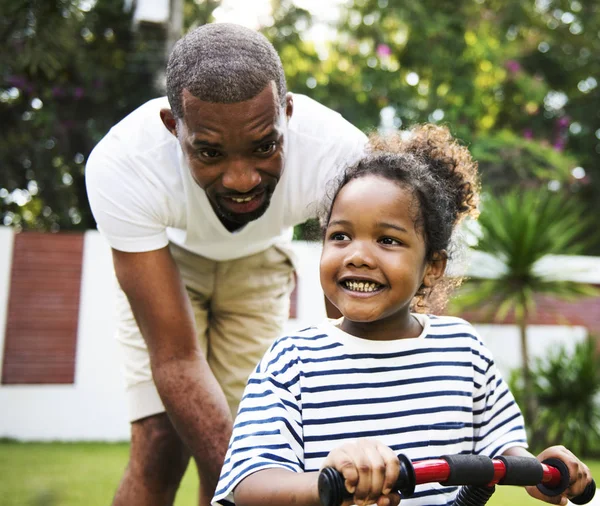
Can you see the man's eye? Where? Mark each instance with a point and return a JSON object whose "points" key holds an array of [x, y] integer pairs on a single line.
{"points": [[209, 153], [266, 148], [338, 236], [389, 241]]}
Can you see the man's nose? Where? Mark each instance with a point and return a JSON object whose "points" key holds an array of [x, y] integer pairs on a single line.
{"points": [[240, 176]]}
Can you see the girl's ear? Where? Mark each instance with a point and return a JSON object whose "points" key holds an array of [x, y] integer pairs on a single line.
{"points": [[435, 268]]}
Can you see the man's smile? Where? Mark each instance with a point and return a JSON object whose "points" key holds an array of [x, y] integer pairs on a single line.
{"points": [[241, 204]]}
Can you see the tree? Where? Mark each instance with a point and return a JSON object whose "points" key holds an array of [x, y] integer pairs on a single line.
{"points": [[69, 72], [519, 229], [506, 76]]}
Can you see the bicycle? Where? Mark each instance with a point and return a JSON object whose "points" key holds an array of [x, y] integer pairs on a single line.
{"points": [[477, 475]]}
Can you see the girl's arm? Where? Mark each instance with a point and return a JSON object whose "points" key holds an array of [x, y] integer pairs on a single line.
{"points": [[274, 487], [369, 468]]}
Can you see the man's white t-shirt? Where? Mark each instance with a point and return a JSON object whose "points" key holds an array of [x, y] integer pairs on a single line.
{"points": [[142, 194]]}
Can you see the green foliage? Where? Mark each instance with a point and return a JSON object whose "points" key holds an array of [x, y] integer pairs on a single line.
{"points": [[506, 158], [566, 386], [519, 229], [514, 80], [308, 231], [67, 76], [517, 81]]}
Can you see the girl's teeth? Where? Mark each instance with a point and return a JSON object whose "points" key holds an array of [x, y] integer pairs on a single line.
{"points": [[361, 286]]}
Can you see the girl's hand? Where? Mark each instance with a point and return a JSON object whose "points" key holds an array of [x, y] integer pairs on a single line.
{"points": [[578, 471], [370, 470]]}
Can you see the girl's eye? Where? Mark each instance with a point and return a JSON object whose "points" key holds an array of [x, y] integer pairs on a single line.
{"points": [[267, 148], [388, 241], [209, 153], [338, 236]]}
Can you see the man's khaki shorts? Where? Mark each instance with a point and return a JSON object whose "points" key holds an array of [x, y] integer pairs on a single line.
{"points": [[240, 307]]}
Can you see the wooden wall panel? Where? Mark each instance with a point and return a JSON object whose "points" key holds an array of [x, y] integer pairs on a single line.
{"points": [[43, 309]]}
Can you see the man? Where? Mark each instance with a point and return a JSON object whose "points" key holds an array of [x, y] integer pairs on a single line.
{"points": [[197, 201]]}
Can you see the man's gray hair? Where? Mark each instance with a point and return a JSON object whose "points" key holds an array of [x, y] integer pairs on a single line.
{"points": [[223, 63]]}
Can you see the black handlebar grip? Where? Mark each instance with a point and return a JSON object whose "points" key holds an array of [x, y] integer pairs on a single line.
{"points": [[521, 471], [587, 495], [331, 487], [469, 470], [332, 490], [565, 479]]}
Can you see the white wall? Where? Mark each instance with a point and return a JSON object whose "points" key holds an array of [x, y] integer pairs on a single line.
{"points": [[94, 408], [6, 249], [505, 343]]}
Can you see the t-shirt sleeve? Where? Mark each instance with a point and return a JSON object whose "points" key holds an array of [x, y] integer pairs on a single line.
{"points": [[349, 147], [128, 208], [498, 422], [268, 428]]}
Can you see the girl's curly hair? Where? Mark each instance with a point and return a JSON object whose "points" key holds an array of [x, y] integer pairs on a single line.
{"points": [[441, 175]]}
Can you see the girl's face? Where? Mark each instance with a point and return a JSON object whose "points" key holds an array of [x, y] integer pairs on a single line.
{"points": [[373, 259]]}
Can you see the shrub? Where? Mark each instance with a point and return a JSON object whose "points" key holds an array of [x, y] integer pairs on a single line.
{"points": [[567, 396]]}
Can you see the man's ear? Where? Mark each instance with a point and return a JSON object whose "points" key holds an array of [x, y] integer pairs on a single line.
{"points": [[166, 115], [435, 268], [289, 105]]}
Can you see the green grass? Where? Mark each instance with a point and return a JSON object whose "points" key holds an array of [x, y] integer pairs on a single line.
{"points": [[65, 474], [76, 474]]}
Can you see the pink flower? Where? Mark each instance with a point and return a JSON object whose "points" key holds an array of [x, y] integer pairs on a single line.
{"points": [[383, 50], [513, 66]]}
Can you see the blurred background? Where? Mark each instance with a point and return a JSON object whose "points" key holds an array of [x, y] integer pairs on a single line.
{"points": [[515, 80]]}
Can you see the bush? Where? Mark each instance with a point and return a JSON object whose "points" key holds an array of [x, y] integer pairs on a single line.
{"points": [[567, 395]]}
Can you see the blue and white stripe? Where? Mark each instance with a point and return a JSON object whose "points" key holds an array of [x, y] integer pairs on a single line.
{"points": [[425, 397]]}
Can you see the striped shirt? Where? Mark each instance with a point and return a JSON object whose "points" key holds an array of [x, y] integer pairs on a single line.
{"points": [[434, 395]]}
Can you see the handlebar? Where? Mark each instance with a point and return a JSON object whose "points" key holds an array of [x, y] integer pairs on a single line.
{"points": [[479, 472]]}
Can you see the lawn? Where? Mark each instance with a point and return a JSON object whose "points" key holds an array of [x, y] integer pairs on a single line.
{"points": [[64, 474]]}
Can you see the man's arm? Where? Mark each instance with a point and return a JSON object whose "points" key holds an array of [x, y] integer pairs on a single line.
{"points": [[192, 397]]}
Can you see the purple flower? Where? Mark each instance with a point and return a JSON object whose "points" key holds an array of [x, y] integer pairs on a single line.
{"points": [[513, 66], [78, 93], [383, 50], [563, 122], [17, 81], [559, 145], [528, 133]]}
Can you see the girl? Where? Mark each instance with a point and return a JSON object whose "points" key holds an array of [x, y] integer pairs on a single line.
{"points": [[386, 378]]}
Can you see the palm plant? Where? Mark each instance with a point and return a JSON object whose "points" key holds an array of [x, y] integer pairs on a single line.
{"points": [[519, 229], [566, 384]]}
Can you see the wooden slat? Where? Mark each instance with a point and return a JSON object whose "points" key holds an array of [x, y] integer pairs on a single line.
{"points": [[43, 309]]}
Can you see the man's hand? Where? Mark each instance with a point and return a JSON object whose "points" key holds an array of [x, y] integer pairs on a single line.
{"points": [[578, 472], [370, 470], [192, 397]]}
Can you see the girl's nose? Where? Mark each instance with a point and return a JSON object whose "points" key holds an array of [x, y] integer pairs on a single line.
{"points": [[360, 255]]}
